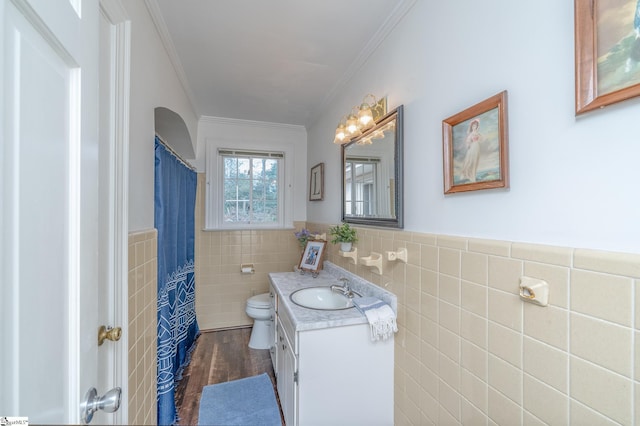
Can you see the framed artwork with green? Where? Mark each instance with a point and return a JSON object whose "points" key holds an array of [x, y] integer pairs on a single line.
{"points": [[607, 52]]}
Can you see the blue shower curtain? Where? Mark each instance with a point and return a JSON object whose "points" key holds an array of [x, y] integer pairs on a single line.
{"points": [[175, 195]]}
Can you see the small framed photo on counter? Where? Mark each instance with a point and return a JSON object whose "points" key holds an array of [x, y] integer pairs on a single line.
{"points": [[311, 259]]}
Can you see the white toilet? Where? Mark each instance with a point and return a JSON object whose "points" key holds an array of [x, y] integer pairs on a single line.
{"points": [[259, 308]]}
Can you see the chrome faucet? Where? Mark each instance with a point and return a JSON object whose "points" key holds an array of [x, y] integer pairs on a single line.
{"points": [[345, 288]]}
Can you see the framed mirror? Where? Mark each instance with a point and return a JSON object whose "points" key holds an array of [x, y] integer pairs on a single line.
{"points": [[372, 174]]}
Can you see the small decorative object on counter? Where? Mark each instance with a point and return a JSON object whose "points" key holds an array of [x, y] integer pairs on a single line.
{"points": [[303, 236], [345, 235], [311, 260]]}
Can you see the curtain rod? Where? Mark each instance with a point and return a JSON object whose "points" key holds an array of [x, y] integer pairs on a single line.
{"points": [[175, 154]]}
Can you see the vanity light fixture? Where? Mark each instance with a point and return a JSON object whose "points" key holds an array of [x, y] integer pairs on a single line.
{"points": [[341, 132], [354, 128], [360, 119], [365, 115]]}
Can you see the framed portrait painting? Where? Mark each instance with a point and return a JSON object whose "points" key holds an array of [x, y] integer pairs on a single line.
{"points": [[311, 259], [316, 183], [476, 147], [607, 52]]}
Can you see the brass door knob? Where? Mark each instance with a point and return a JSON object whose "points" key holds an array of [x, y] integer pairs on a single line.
{"points": [[112, 334]]}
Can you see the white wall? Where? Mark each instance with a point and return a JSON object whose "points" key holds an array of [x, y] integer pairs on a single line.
{"points": [[214, 133], [572, 179], [153, 84]]}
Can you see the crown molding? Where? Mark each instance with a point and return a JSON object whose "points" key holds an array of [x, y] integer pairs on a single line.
{"points": [[375, 41], [114, 11], [250, 123], [167, 42]]}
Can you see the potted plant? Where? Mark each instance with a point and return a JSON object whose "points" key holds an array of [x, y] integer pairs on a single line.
{"points": [[345, 235]]}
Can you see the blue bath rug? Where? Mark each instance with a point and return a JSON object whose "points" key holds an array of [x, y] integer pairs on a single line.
{"points": [[248, 401]]}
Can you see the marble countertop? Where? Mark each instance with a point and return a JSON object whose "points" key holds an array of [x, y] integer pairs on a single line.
{"points": [[285, 283]]}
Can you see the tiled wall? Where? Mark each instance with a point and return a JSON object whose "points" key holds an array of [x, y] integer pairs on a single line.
{"points": [[469, 351], [221, 289], [142, 331]]}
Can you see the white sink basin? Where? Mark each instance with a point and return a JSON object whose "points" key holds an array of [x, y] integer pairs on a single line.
{"points": [[321, 298]]}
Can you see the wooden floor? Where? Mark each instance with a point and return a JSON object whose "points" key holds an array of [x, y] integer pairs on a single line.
{"points": [[219, 356]]}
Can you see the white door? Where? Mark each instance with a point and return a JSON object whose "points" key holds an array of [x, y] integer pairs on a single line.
{"points": [[49, 207]]}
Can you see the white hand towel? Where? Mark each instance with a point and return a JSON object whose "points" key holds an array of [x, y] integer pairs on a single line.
{"points": [[382, 319]]}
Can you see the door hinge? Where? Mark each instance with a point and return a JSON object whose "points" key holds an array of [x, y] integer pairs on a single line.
{"points": [[295, 377]]}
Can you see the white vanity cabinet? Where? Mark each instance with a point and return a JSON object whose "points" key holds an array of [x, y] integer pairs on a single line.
{"points": [[331, 375], [286, 376], [273, 297]]}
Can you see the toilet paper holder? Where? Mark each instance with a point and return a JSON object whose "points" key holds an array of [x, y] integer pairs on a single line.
{"points": [[534, 290], [247, 268]]}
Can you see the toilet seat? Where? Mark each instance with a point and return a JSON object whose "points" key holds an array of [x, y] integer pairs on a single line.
{"points": [[259, 308], [260, 301]]}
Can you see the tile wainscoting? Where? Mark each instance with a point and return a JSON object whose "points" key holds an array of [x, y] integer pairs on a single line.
{"points": [[142, 330], [221, 289], [469, 351]]}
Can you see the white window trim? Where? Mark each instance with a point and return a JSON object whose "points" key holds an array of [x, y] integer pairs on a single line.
{"points": [[225, 152], [213, 189]]}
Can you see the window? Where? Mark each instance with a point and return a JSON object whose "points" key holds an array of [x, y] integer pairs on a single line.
{"points": [[251, 192], [361, 177], [247, 140]]}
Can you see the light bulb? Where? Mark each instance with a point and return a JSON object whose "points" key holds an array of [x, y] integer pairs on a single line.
{"points": [[340, 134], [352, 126], [365, 117]]}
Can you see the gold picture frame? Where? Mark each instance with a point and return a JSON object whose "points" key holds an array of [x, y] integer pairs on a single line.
{"points": [[476, 147], [607, 53]]}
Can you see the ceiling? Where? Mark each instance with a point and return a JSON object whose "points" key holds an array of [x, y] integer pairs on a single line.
{"points": [[278, 61]]}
